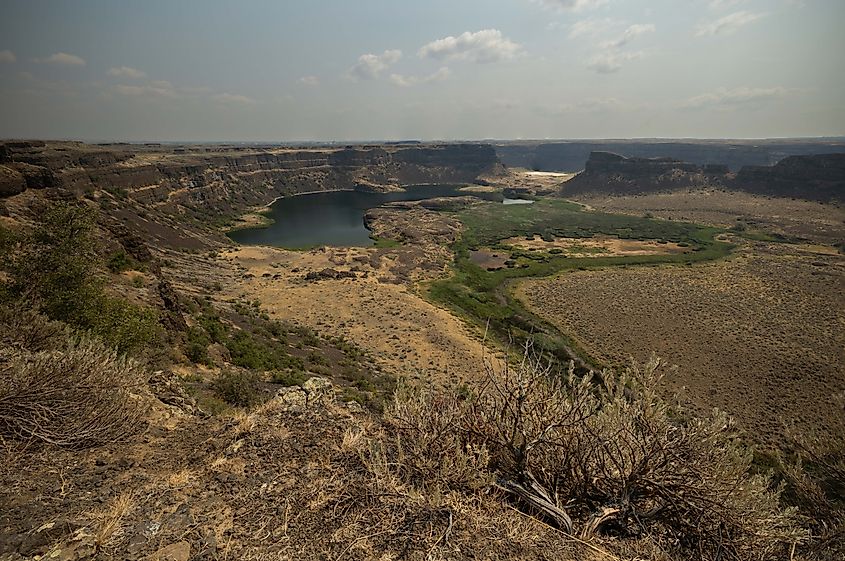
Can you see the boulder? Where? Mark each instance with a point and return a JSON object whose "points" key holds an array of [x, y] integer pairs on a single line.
{"points": [[318, 390], [292, 399], [12, 182], [179, 551]]}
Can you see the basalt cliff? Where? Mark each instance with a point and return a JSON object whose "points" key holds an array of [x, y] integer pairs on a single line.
{"points": [[182, 185], [571, 155], [818, 177]]}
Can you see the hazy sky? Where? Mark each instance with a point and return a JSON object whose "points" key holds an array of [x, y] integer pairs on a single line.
{"points": [[439, 69]]}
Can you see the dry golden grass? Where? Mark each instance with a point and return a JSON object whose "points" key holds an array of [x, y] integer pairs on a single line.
{"points": [[794, 218], [761, 336], [108, 523], [599, 246]]}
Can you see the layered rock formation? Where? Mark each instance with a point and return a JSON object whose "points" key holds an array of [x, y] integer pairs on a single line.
{"points": [[572, 155], [820, 177], [176, 196], [817, 177], [614, 174], [216, 174]]}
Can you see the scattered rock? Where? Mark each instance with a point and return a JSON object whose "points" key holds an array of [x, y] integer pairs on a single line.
{"points": [[166, 387], [317, 390], [292, 398], [329, 273], [179, 551], [80, 547]]}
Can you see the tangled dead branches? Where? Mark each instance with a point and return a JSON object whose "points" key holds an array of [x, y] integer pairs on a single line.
{"points": [[78, 396], [607, 457]]}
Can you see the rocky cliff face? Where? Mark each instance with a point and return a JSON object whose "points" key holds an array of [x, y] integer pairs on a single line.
{"points": [[206, 174], [161, 191], [611, 173], [572, 155], [819, 177]]}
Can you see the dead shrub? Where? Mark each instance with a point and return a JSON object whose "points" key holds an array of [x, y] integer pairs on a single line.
{"points": [[78, 396], [428, 448], [600, 457], [23, 328], [814, 475]]}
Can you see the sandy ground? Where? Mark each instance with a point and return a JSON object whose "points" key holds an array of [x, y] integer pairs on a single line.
{"points": [[606, 246], [555, 174], [406, 335]]}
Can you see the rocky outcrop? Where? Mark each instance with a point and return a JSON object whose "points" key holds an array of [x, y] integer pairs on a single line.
{"points": [[820, 177], [12, 182], [206, 175], [572, 155], [614, 174]]}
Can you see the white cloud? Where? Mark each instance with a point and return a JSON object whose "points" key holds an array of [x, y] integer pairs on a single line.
{"points": [[571, 5], [8, 56], [628, 35], [166, 90], [233, 98], [722, 4], [158, 88], [309, 81], [370, 66], [63, 58], [408, 81], [610, 62], [724, 97], [727, 24], [487, 45], [611, 58], [126, 72], [589, 27]]}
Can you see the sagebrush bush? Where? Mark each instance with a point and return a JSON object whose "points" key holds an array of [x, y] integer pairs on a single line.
{"points": [[238, 388], [599, 454], [24, 328], [80, 395]]}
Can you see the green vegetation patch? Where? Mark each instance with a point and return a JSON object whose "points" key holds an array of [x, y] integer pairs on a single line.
{"points": [[483, 296], [56, 268]]}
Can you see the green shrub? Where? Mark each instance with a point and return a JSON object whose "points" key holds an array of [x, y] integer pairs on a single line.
{"points": [[127, 327], [316, 359], [237, 388], [196, 346], [55, 269], [250, 352], [289, 377], [212, 325], [119, 261]]}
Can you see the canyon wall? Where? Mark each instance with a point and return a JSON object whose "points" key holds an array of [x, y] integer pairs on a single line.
{"points": [[220, 175], [819, 177], [609, 173], [573, 155], [180, 196]]}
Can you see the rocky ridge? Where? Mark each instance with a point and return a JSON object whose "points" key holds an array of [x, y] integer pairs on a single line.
{"points": [[817, 177], [161, 192]]}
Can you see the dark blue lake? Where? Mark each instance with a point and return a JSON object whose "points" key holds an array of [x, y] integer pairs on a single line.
{"points": [[334, 218]]}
